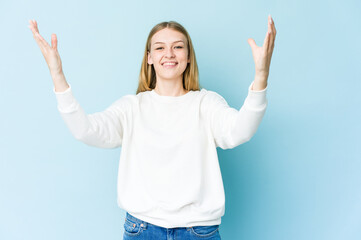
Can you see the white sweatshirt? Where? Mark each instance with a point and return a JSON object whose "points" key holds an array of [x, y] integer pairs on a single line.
{"points": [[169, 173]]}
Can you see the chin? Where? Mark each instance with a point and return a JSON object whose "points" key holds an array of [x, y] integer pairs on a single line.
{"points": [[169, 77]]}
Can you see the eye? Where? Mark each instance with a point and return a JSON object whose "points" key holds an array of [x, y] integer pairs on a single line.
{"points": [[162, 47]]}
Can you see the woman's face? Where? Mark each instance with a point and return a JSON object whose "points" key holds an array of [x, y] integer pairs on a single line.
{"points": [[168, 54]]}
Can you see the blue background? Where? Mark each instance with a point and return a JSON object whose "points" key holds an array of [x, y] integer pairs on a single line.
{"points": [[299, 176]]}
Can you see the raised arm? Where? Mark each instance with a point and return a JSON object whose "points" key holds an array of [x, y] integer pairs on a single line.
{"points": [[101, 129], [51, 56], [262, 56], [232, 127]]}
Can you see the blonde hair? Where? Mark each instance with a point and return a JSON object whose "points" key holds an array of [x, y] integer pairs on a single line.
{"points": [[147, 76]]}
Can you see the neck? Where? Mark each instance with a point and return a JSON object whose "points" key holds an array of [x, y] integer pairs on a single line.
{"points": [[169, 87]]}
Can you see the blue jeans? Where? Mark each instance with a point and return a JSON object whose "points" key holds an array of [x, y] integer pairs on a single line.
{"points": [[134, 228]]}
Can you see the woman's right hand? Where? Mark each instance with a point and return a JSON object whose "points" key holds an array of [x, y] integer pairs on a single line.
{"points": [[50, 53]]}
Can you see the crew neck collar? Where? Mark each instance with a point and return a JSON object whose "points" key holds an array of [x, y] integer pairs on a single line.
{"points": [[170, 98]]}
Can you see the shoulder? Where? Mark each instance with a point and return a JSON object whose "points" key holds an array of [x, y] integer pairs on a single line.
{"points": [[211, 97], [211, 101], [124, 103]]}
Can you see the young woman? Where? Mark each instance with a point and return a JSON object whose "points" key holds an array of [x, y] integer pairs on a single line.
{"points": [[169, 180]]}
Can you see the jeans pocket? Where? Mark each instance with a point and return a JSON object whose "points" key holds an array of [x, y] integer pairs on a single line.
{"points": [[205, 231], [132, 228]]}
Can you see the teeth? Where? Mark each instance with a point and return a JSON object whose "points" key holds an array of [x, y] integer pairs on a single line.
{"points": [[169, 63]]}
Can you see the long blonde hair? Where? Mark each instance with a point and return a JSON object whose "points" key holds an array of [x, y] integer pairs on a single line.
{"points": [[147, 76]]}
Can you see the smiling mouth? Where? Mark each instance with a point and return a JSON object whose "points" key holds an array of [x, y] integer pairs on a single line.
{"points": [[169, 65]]}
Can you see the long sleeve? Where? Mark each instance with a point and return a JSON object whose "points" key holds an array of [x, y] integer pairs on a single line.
{"points": [[101, 129], [231, 127]]}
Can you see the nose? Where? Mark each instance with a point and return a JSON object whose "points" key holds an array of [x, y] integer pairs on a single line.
{"points": [[169, 53]]}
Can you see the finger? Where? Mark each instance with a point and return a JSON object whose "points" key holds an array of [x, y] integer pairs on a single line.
{"points": [[267, 38], [31, 26], [270, 49], [266, 42], [271, 45], [35, 25], [37, 37], [54, 41], [273, 27], [270, 31], [273, 36], [252, 43], [269, 23], [42, 41], [43, 44]]}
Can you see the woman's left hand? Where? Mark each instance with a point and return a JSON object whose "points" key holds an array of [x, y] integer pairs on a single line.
{"points": [[262, 55]]}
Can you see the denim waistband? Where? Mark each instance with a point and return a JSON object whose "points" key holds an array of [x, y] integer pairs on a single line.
{"points": [[145, 224], [130, 217], [136, 220]]}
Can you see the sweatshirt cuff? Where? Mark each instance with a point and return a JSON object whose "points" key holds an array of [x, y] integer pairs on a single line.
{"points": [[256, 98], [66, 101]]}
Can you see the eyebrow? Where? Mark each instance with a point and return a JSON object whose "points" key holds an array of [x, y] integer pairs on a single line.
{"points": [[173, 42]]}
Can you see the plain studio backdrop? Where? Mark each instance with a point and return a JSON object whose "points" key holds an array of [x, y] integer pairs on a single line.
{"points": [[299, 176]]}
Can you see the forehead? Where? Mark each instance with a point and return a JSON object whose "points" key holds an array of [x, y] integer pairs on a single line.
{"points": [[167, 35]]}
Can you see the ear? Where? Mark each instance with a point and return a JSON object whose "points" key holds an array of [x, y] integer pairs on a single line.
{"points": [[149, 58]]}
